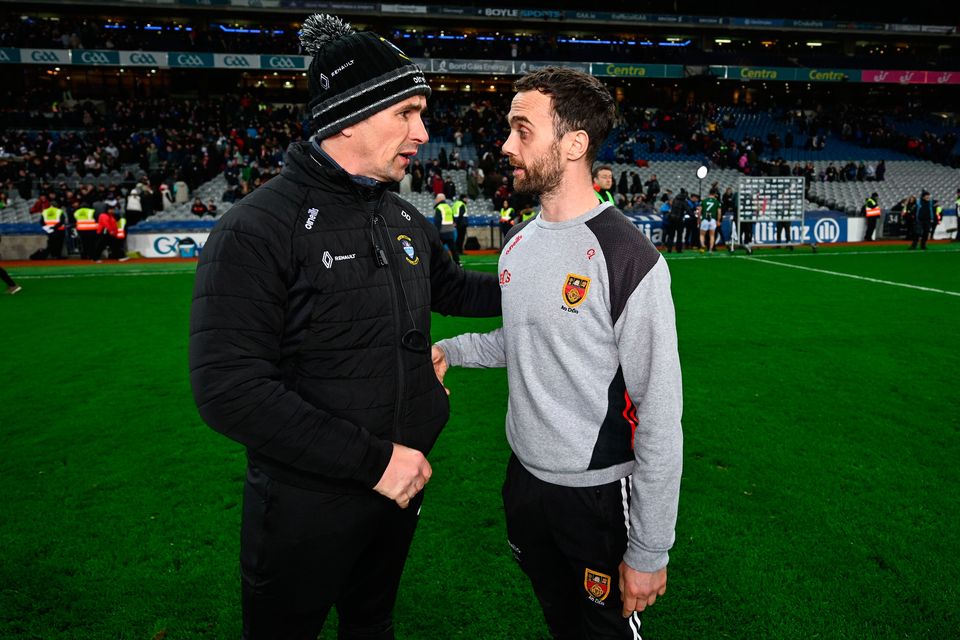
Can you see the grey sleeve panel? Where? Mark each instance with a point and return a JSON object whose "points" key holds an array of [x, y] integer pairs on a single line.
{"points": [[647, 339], [629, 255], [475, 350]]}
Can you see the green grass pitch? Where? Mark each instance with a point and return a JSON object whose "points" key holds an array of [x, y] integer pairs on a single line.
{"points": [[820, 494]]}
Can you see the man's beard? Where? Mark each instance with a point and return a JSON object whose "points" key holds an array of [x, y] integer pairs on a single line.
{"points": [[543, 176]]}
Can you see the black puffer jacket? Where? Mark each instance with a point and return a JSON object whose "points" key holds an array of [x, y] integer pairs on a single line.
{"points": [[296, 326]]}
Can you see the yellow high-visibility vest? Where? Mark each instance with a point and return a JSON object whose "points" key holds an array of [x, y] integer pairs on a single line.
{"points": [[86, 219], [446, 213], [51, 216]]}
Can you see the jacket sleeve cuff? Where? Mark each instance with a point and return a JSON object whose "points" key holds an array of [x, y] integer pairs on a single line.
{"points": [[645, 561], [375, 462]]}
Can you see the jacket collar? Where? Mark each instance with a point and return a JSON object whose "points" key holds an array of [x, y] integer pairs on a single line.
{"points": [[307, 164]]}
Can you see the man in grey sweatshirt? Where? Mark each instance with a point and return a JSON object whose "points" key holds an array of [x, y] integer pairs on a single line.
{"points": [[590, 345]]}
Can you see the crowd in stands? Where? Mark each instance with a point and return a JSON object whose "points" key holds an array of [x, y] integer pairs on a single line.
{"points": [[148, 147], [159, 150], [871, 127]]}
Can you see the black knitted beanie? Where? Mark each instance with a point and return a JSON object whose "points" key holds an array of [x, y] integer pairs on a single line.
{"points": [[353, 74]]}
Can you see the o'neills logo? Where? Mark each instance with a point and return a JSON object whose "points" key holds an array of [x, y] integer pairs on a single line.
{"points": [[513, 244], [311, 218]]}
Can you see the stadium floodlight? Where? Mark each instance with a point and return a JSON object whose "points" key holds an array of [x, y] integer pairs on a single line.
{"points": [[701, 174]]}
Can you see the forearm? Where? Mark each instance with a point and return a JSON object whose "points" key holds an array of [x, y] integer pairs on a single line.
{"points": [[475, 350]]}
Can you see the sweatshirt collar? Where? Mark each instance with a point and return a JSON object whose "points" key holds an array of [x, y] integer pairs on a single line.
{"points": [[581, 219]]}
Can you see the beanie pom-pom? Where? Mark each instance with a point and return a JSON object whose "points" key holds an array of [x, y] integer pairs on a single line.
{"points": [[320, 29]]}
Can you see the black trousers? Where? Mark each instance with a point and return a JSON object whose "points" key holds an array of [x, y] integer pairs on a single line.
{"points": [[461, 238], [783, 229], [303, 552], [7, 280], [55, 244], [106, 241], [746, 233], [871, 226], [692, 233], [570, 541], [505, 229], [921, 233], [673, 234], [88, 244]]}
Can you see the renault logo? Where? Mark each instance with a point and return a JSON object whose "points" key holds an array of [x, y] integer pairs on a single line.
{"points": [[281, 62], [236, 61], [44, 56], [94, 57], [189, 60], [324, 82], [142, 58]]}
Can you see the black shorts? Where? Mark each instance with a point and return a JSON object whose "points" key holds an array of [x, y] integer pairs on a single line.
{"points": [[570, 542]]}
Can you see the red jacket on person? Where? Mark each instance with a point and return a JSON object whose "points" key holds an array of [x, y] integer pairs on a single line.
{"points": [[107, 224]]}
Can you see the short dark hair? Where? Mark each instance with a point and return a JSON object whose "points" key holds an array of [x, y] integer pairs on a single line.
{"points": [[580, 101], [601, 167]]}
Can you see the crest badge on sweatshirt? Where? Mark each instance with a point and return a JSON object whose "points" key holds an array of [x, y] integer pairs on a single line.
{"points": [[411, 253], [575, 289], [597, 585]]}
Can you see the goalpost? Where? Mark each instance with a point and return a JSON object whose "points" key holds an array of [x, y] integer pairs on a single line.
{"points": [[774, 206]]}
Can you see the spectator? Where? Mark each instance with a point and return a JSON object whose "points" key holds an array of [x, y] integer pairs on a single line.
{"points": [[198, 209]]}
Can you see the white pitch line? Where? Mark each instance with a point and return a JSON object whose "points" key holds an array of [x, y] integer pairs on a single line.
{"points": [[793, 254], [673, 257], [126, 274], [849, 275], [695, 256]]}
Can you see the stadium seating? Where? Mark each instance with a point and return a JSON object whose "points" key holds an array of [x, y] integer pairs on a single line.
{"points": [[903, 178]]}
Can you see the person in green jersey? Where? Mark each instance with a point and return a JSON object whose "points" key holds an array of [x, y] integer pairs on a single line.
{"points": [[709, 217]]}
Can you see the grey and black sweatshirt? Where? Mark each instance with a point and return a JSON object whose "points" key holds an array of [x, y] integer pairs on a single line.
{"points": [[590, 344]]}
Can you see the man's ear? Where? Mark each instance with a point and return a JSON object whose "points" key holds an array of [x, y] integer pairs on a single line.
{"points": [[347, 132], [577, 143]]}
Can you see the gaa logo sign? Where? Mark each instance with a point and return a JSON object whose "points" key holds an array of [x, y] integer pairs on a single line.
{"points": [[44, 56], [826, 230], [185, 60], [94, 57], [143, 58], [283, 62], [236, 61]]}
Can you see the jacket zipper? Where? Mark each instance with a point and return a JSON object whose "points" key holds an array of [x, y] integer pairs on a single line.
{"points": [[383, 261]]}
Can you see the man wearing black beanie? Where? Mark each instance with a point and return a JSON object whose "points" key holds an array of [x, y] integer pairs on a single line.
{"points": [[310, 345]]}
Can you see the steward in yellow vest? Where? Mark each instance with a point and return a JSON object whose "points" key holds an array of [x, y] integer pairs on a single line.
{"points": [[53, 219], [86, 218]]}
